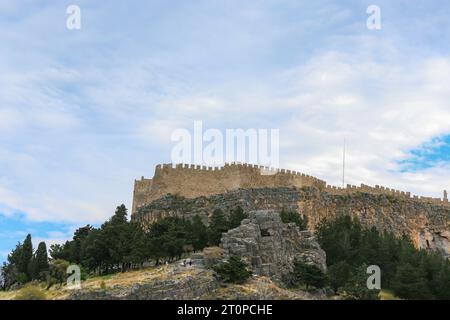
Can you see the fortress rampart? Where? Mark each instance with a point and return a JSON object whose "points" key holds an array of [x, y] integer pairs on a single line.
{"points": [[191, 181], [351, 189], [186, 191]]}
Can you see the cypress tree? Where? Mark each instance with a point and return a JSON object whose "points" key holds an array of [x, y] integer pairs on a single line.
{"points": [[40, 261], [25, 258]]}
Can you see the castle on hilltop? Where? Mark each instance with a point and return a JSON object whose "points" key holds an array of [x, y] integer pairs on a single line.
{"points": [[190, 190], [191, 181]]}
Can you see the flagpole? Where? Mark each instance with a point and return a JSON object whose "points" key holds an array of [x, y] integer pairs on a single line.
{"points": [[343, 166]]}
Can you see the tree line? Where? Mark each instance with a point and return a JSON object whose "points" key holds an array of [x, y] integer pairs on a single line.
{"points": [[410, 273], [24, 264], [117, 245], [120, 245]]}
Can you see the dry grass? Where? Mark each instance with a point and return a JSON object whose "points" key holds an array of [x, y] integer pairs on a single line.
{"points": [[260, 288], [39, 290], [108, 281], [213, 252], [388, 295]]}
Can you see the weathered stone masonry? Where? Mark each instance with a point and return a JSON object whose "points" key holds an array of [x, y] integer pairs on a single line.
{"points": [[194, 181], [173, 192]]}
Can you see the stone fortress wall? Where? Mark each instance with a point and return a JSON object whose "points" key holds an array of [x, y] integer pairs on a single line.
{"points": [[191, 181], [351, 189], [186, 191]]}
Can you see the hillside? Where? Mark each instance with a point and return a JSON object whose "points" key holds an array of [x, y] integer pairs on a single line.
{"points": [[166, 282]]}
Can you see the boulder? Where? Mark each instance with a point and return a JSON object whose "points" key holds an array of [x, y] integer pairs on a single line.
{"points": [[270, 246]]}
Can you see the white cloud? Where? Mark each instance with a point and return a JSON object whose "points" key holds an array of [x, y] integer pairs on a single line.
{"points": [[10, 120], [381, 126], [78, 128]]}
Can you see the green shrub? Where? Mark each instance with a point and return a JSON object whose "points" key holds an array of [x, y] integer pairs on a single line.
{"points": [[233, 271], [22, 278], [295, 217], [338, 275], [308, 274]]}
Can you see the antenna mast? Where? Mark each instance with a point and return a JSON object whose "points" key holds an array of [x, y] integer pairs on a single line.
{"points": [[343, 166]]}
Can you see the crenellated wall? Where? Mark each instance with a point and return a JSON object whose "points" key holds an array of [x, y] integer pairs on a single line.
{"points": [[351, 189], [188, 190], [192, 181]]}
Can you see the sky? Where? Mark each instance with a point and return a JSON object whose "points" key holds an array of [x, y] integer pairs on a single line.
{"points": [[84, 112]]}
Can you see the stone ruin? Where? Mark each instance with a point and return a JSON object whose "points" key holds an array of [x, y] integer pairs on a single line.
{"points": [[270, 246]]}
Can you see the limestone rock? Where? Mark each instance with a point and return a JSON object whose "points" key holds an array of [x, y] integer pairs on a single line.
{"points": [[270, 246], [186, 284], [420, 219]]}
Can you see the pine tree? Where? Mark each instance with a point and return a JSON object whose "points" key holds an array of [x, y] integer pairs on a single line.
{"points": [[95, 251], [233, 271], [442, 284], [236, 216], [308, 274], [217, 226], [10, 271], [199, 233], [341, 240], [338, 275], [120, 216], [410, 282], [356, 286], [75, 247]]}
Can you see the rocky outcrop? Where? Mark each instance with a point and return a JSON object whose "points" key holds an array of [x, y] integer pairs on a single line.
{"points": [[193, 283], [422, 221], [178, 284], [435, 239], [270, 246]]}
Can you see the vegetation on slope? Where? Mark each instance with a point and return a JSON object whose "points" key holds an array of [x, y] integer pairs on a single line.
{"points": [[408, 272], [119, 245]]}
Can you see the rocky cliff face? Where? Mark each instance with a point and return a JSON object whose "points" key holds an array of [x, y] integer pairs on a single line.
{"points": [[270, 246], [427, 224]]}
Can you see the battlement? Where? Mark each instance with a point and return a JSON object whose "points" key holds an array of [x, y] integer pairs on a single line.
{"points": [[351, 189], [191, 181], [233, 166]]}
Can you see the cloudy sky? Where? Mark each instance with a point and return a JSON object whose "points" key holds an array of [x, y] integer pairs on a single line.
{"points": [[85, 112]]}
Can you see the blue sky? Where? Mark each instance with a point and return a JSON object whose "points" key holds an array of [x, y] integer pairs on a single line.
{"points": [[85, 112]]}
